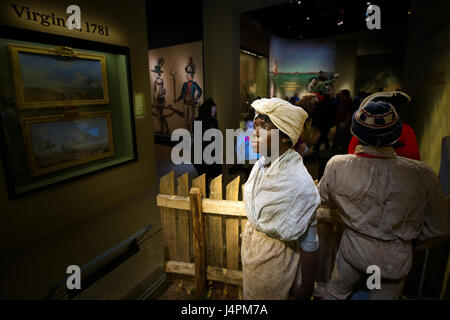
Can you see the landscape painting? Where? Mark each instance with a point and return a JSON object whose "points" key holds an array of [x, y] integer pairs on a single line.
{"points": [[50, 77], [54, 143]]}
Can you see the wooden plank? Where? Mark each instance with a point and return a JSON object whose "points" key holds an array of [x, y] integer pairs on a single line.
{"points": [[232, 228], [231, 208], [232, 192], [183, 241], [215, 254], [200, 183], [168, 218], [199, 242], [174, 202], [215, 188], [223, 207], [212, 273]]}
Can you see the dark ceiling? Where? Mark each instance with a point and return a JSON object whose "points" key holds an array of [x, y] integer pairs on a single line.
{"points": [[172, 22], [319, 18]]}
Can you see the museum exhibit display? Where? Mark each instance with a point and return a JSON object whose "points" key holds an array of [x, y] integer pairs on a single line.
{"points": [[65, 111], [176, 79]]}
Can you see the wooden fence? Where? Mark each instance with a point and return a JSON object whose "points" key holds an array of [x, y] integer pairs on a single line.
{"points": [[202, 235]]}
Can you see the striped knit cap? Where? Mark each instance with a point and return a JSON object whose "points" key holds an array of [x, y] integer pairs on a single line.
{"points": [[376, 124]]}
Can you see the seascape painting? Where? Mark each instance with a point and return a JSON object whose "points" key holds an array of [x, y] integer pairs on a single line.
{"points": [[45, 79], [55, 144]]}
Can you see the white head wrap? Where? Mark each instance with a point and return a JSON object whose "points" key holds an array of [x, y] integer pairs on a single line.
{"points": [[286, 117]]}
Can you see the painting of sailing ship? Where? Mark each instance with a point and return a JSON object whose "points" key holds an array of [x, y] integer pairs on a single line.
{"points": [[55, 143]]}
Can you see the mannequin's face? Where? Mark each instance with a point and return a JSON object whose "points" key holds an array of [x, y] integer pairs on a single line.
{"points": [[261, 136]]}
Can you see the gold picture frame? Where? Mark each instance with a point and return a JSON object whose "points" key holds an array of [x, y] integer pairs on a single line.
{"points": [[52, 77], [54, 143]]}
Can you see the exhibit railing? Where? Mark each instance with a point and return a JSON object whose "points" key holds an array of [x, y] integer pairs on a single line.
{"points": [[99, 266]]}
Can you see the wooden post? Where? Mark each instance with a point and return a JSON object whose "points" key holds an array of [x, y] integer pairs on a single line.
{"points": [[198, 225]]}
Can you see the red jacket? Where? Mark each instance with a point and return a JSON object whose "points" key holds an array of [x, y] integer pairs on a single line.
{"points": [[410, 149]]}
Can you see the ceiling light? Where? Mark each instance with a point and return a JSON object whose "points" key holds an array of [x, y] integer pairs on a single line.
{"points": [[307, 18], [299, 2]]}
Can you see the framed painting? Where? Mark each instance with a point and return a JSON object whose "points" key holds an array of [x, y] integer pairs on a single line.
{"points": [[53, 143], [52, 77]]}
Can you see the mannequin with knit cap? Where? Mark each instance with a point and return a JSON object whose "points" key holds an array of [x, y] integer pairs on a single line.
{"points": [[388, 205]]}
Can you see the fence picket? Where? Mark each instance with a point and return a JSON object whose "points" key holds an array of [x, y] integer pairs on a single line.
{"points": [[232, 228], [168, 218], [215, 231], [183, 232], [200, 183]]}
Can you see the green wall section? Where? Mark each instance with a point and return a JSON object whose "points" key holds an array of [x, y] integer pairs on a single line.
{"points": [[427, 76]]}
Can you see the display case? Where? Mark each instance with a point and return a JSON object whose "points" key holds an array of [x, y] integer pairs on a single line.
{"points": [[66, 109]]}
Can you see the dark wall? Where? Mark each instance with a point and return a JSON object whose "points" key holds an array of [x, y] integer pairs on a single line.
{"points": [[172, 22], [254, 36]]}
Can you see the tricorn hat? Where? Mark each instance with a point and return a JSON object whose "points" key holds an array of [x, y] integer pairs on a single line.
{"points": [[157, 69]]}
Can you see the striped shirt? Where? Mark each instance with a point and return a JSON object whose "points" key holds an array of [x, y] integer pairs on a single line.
{"points": [[281, 200]]}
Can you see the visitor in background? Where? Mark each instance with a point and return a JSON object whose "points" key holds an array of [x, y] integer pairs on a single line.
{"points": [[294, 99], [324, 119], [343, 121], [245, 154], [280, 241], [388, 205], [360, 96], [308, 102], [208, 116], [406, 145]]}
